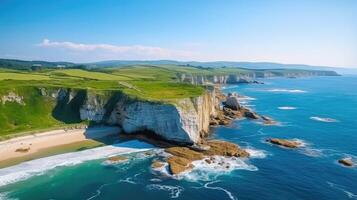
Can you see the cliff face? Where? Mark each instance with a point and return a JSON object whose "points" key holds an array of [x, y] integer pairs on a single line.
{"points": [[216, 79], [186, 121], [249, 76]]}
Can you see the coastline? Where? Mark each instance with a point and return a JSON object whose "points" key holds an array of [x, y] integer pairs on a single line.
{"points": [[29, 147]]}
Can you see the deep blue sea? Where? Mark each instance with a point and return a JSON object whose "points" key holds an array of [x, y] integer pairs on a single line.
{"points": [[321, 112]]}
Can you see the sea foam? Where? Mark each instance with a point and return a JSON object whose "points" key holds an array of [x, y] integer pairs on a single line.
{"points": [[322, 119], [230, 195], [286, 90], [342, 189], [31, 168], [174, 191], [287, 108]]}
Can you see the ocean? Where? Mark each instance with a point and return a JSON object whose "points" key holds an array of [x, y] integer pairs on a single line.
{"points": [[321, 112]]}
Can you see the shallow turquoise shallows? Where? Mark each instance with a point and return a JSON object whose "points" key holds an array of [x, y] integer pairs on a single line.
{"points": [[320, 112]]}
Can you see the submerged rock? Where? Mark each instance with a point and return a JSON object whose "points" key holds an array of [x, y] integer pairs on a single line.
{"points": [[117, 159], [346, 162], [267, 120], [157, 164], [285, 143]]}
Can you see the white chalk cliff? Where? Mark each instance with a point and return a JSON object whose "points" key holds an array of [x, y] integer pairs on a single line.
{"points": [[184, 121]]}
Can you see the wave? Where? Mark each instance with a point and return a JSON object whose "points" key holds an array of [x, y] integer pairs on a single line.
{"points": [[174, 191], [98, 192], [287, 108], [286, 90], [342, 189], [312, 152], [230, 195], [204, 171], [4, 196], [127, 180], [246, 98], [322, 119], [155, 180], [255, 153], [28, 169]]}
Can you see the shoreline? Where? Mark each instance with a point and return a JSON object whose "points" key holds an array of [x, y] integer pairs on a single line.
{"points": [[29, 147]]}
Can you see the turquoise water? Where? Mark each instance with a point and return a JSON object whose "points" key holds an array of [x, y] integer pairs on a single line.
{"points": [[274, 173]]}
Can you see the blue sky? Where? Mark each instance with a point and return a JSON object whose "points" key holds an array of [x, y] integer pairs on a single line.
{"points": [[317, 32]]}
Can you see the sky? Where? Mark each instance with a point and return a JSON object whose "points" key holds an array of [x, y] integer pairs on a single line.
{"points": [[315, 32]]}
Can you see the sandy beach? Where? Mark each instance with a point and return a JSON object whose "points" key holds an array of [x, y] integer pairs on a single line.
{"points": [[27, 146]]}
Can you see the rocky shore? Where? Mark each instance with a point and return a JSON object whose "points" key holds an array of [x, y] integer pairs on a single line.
{"points": [[181, 158], [231, 109]]}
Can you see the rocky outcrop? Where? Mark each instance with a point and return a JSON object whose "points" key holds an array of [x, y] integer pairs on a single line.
{"points": [[346, 162], [284, 143], [232, 110], [232, 102], [182, 157]]}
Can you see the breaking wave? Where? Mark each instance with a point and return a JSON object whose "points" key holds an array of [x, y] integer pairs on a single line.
{"points": [[287, 108], [342, 189], [28, 169], [209, 168], [322, 119], [286, 90], [174, 191]]}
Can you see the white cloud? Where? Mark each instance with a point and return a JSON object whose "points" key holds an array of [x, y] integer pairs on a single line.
{"points": [[133, 51]]}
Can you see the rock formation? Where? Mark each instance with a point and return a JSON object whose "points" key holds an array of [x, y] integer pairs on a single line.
{"points": [[232, 102], [182, 157], [284, 142], [346, 162]]}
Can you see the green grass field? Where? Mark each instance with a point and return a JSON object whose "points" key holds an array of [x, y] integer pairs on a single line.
{"points": [[79, 73], [22, 76]]}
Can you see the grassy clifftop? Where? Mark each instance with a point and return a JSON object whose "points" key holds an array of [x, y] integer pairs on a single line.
{"points": [[24, 107]]}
